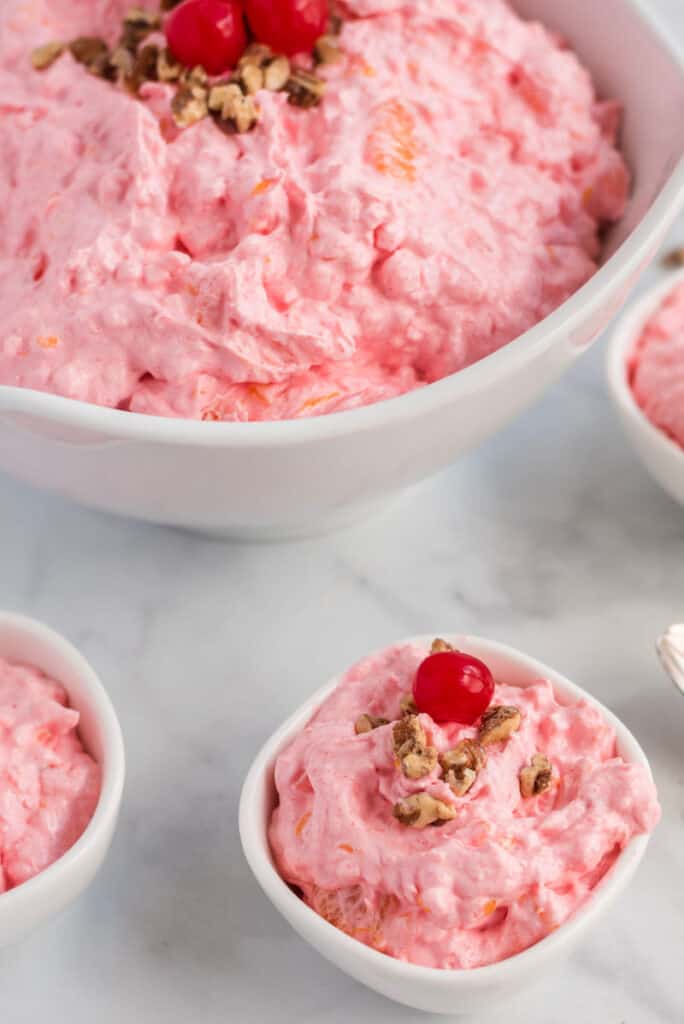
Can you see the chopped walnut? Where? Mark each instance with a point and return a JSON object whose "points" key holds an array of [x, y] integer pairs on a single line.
{"points": [[304, 89], [466, 754], [195, 77], [407, 705], [251, 78], [43, 56], [674, 258], [123, 62], [460, 780], [498, 723], [139, 16], [145, 66], [439, 645], [276, 74], [417, 759], [535, 778], [462, 764], [137, 25], [256, 53], [366, 723], [168, 68], [233, 110], [93, 53], [326, 50], [188, 108], [421, 809]]}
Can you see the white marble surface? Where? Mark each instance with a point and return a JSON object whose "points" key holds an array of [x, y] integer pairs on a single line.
{"points": [[551, 537]]}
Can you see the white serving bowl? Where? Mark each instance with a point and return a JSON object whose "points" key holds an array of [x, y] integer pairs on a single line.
{"points": [[662, 457], [266, 480], [28, 905], [427, 988]]}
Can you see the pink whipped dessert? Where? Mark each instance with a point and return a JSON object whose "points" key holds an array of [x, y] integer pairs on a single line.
{"points": [[50, 785], [532, 800], [656, 367], [446, 194]]}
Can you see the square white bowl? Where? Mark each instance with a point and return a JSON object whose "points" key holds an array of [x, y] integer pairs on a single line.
{"points": [[25, 907], [427, 988]]}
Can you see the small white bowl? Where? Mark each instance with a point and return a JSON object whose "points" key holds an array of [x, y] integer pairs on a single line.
{"points": [[28, 905], [427, 988], [662, 457]]}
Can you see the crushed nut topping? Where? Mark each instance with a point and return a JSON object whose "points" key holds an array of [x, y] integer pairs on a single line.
{"points": [[674, 258], [251, 78], [187, 108], [366, 723], [277, 74], [232, 110], [132, 65], [439, 645], [421, 809], [93, 53], [498, 723], [460, 780], [462, 764], [256, 53], [327, 51], [304, 89], [410, 744], [535, 778], [168, 68], [466, 754], [137, 25], [43, 56], [407, 705]]}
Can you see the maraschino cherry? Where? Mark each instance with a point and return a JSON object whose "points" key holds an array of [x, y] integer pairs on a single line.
{"points": [[453, 687], [207, 32], [287, 26]]}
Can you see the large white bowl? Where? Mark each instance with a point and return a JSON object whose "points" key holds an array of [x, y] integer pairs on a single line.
{"points": [[279, 479], [426, 988], [662, 457], [22, 909]]}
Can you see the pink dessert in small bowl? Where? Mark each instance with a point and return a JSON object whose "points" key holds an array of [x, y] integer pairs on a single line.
{"points": [[656, 366], [451, 845], [50, 785]]}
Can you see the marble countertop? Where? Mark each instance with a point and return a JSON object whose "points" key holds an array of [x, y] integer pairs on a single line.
{"points": [[550, 537]]}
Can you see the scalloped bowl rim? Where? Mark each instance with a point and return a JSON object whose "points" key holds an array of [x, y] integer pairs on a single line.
{"points": [[257, 850]]}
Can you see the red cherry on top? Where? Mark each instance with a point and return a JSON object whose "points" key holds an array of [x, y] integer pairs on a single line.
{"points": [[287, 26], [207, 32], [453, 687]]}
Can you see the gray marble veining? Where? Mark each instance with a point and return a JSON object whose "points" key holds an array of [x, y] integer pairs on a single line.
{"points": [[551, 537]]}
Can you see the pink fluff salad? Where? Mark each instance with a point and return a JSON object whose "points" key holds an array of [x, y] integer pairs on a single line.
{"points": [[50, 786], [448, 194], [656, 367], [502, 875]]}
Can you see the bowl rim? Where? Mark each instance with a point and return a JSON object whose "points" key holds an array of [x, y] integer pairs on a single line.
{"points": [[624, 262], [256, 847], [113, 764], [622, 341]]}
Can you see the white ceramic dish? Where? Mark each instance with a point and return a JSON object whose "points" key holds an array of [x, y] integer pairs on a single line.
{"points": [[426, 988], [662, 457], [27, 906], [267, 480]]}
